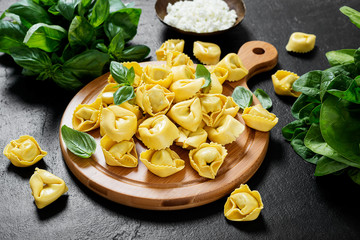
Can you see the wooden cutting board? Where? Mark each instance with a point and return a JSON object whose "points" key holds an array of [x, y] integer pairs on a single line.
{"points": [[137, 187]]}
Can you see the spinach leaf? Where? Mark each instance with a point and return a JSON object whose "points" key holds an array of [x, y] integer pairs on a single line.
{"points": [[46, 37], [116, 5], [117, 45], [326, 79], [67, 8], [307, 109], [354, 174], [299, 147], [123, 94], [88, 64], [293, 128], [31, 58], [202, 72], [11, 36], [348, 69], [309, 83], [352, 14], [340, 57], [136, 53], [264, 98], [327, 166], [300, 103], [66, 80], [315, 114], [81, 33], [242, 97], [349, 93], [99, 13], [79, 143]]}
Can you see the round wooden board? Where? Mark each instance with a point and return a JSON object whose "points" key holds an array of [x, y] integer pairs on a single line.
{"points": [[137, 187]]}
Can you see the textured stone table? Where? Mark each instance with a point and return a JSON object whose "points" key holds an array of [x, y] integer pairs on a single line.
{"points": [[297, 204]]}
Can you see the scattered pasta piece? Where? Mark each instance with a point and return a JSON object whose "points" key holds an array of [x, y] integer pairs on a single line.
{"points": [[168, 46], [207, 53], [233, 64], [86, 117], [174, 59], [243, 204], [301, 42], [186, 88], [283, 81], [46, 187], [24, 151], [259, 118]]}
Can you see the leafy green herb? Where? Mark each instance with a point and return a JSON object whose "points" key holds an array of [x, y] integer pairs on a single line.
{"points": [[340, 57], [125, 77], [327, 166], [79, 143], [242, 97], [352, 14], [202, 72], [264, 98], [123, 94]]}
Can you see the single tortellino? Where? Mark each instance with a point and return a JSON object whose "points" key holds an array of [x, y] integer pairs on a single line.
{"points": [[158, 74], [86, 117], [138, 72], [230, 107], [227, 130], [301, 42], [118, 123], [214, 87], [283, 81], [107, 94], [190, 140], [119, 153], [207, 53], [212, 107], [187, 114], [177, 59], [221, 73], [158, 132], [243, 204], [182, 72], [186, 88], [233, 64], [259, 118], [154, 99], [24, 151], [46, 187], [207, 159], [168, 46], [162, 163]]}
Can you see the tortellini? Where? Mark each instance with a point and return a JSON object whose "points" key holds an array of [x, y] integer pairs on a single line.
{"points": [[168, 46], [187, 114], [207, 53], [227, 130], [190, 140], [158, 132], [207, 159], [301, 42], [119, 153], [24, 151], [182, 72], [186, 88], [46, 187], [158, 74], [86, 117], [243, 204], [233, 64], [107, 94], [221, 73], [154, 99], [177, 59], [214, 87], [118, 123], [138, 73], [212, 107], [259, 118], [162, 163], [283, 81]]}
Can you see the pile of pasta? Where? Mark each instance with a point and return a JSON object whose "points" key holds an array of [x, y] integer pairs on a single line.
{"points": [[170, 107]]}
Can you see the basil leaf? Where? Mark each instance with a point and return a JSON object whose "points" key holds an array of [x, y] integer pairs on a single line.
{"points": [[67, 8], [299, 147], [117, 45], [242, 97], [354, 174], [11, 36], [81, 144], [264, 98], [327, 166], [352, 14], [118, 72], [126, 19], [101, 47], [340, 57], [309, 83], [88, 64], [81, 33], [66, 80], [202, 72], [45, 2], [130, 76], [31, 58], [84, 6], [29, 12], [116, 5], [46, 37], [123, 94], [290, 130], [99, 13], [134, 53]]}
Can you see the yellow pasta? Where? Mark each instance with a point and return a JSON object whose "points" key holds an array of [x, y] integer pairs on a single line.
{"points": [[168, 46], [283, 81], [186, 88], [158, 74], [212, 107], [182, 72], [138, 72], [259, 118], [301, 42], [24, 151], [162, 163], [190, 140], [207, 53], [233, 64], [86, 117], [243, 204], [214, 87], [46, 187], [221, 73], [177, 59]]}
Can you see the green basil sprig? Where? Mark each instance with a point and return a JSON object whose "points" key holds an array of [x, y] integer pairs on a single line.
{"points": [[125, 78], [202, 72], [264, 98], [242, 97], [79, 143]]}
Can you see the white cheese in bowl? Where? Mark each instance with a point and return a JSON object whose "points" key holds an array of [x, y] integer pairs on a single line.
{"points": [[200, 16]]}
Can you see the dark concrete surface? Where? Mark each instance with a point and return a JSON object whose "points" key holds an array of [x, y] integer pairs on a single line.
{"points": [[298, 205]]}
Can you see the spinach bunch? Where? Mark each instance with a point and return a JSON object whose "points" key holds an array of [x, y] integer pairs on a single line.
{"points": [[327, 126], [69, 41]]}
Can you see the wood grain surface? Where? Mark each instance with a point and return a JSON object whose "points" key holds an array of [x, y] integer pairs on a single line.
{"points": [[137, 187]]}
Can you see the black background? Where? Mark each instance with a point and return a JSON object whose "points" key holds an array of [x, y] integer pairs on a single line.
{"points": [[298, 205]]}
